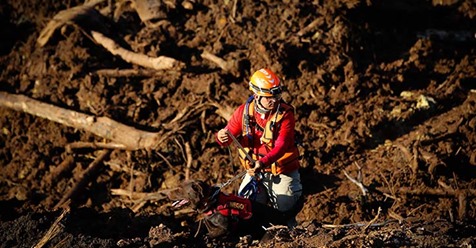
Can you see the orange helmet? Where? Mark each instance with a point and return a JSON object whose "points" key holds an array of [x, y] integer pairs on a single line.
{"points": [[265, 83]]}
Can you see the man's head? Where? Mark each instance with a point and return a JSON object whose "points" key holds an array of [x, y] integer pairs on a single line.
{"points": [[267, 89]]}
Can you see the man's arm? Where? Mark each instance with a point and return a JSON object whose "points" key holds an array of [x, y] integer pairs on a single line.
{"points": [[235, 126]]}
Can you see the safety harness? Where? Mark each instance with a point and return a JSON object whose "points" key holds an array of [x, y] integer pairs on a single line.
{"points": [[268, 136], [232, 206]]}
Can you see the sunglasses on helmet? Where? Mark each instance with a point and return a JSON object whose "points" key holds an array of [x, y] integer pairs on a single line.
{"points": [[275, 91]]}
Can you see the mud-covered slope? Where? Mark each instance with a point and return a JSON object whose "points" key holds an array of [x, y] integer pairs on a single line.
{"points": [[384, 92]]}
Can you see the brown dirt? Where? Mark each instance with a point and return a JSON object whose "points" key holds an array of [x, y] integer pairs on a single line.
{"points": [[359, 79]]}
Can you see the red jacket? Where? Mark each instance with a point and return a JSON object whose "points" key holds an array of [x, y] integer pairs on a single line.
{"points": [[283, 141]]}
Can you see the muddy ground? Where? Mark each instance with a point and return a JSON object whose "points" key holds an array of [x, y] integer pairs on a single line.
{"points": [[384, 91]]}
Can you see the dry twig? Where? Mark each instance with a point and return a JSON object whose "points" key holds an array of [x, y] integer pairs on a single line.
{"points": [[188, 151], [56, 228], [374, 219], [310, 26], [359, 184]]}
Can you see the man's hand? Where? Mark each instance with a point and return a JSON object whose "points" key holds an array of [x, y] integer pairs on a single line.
{"points": [[252, 172], [222, 136]]}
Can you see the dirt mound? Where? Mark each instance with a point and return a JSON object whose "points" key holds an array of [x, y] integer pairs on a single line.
{"points": [[385, 102]]}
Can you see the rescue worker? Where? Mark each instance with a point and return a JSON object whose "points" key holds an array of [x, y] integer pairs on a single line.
{"points": [[264, 126]]}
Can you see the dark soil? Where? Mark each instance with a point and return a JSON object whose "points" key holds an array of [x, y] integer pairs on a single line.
{"points": [[384, 91]]}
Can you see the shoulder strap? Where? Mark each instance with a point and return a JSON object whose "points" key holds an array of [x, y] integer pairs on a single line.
{"points": [[247, 113], [268, 133]]}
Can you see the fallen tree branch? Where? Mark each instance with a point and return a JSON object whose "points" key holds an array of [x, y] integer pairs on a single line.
{"points": [[87, 11], [64, 167], [157, 63], [127, 72], [275, 227], [93, 145], [101, 126], [223, 64], [64, 17], [431, 192], [85, 178]]}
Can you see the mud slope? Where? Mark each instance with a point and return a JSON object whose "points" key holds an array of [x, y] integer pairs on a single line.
{"points": [[385, 99]]}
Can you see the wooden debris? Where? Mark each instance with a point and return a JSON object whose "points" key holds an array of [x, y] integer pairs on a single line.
{"points": [[360, 224], [188, 152], [157, 63], [431, 192], [141, 196], [127, 72], [87, 11], [310, 26], [85, 178], [461, 195], [93, 145], [64, 17], [56, 228], [374, 219], [101, 126], [64, 167], [223, 64], [358, 181]]}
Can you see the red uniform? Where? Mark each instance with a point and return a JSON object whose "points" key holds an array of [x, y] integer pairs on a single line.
{"points": [[281, 148]]}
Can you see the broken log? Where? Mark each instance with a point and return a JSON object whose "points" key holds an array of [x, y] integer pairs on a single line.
{"points": [[107, 128]]}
